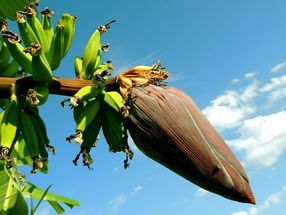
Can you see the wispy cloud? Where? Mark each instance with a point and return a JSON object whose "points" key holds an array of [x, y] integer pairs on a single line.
{"points": [[272, 200], [278, 67], [117, 203], [136, 190]]}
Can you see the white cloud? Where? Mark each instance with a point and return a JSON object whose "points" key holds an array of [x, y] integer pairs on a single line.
{"points": [[201, 193], [117, 203], [250, 75], [136, 190], [229, 109], [272, 200], [235, 81], [262, 139], [278, 67]]}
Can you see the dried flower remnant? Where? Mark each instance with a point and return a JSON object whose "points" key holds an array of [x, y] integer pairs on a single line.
{"points": [[167, 126]]}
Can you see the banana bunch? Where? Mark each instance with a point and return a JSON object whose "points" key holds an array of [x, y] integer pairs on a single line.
{"points": [[8, 66], [9, 8], [45, 46], [86, 66], [20, 123]]}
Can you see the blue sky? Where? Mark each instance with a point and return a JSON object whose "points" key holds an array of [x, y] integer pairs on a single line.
{"points": [[229, 56]]}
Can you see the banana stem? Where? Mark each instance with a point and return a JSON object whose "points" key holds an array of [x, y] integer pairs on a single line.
{"points": [[57, 86]]}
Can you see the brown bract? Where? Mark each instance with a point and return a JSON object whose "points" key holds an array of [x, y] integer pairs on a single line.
{"points": [[167, 126]]}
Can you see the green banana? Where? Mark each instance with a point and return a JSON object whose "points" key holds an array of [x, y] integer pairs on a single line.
{"points": [[84, 94], [17, 51], [91, 56], [28, 132], [55, 52], [10, 70], [88, 113], [9, 124], [77, 65], [37, 28], [89, 137], [38, 95], [114, 100], [68, 21], [47, 15], [4, 54], [41, 139], [90, 134], [114, 129], [41, 69], [77, 111], [84, 118], [115, 132], [9, 129], [27, 34]]}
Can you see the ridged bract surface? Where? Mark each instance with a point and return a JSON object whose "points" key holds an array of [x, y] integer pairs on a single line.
{"points": [[168, 127]]}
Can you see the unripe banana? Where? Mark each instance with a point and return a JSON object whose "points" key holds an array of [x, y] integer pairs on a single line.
{"points": [[27, 34], [37, 28], [47, 15], [55, 52], [10, 70], [68, 21], [41, 69], [88, 113], [38, 95], [9, 124], [91, 56], [17, 50], [28, 132], [84, 94], [114, 100], [4, 54], [115, 132], [40, 136], [114, 129], [77, 65], [90, 134]]}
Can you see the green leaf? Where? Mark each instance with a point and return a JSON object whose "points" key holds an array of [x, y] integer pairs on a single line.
{"points": [[34, 192], [11, 199], [41, 199]]}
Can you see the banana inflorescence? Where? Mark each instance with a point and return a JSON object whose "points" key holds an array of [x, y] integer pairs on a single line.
{"points": [[140, 76]]}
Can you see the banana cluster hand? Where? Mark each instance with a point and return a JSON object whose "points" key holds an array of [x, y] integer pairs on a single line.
{"points": [[22, 127], [88, 66], [45, 46], [94, 109]]}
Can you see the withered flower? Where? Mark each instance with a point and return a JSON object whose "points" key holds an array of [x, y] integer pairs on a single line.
{"points": [[168, 127]]}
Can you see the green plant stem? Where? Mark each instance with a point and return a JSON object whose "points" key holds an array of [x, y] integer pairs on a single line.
{"points": [[57, 86]]}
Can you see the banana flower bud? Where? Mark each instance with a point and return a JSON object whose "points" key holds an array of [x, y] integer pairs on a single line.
{"points": [[168, 127]]}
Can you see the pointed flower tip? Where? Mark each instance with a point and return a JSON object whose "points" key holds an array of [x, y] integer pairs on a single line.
{"points": [[167, 126]]}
